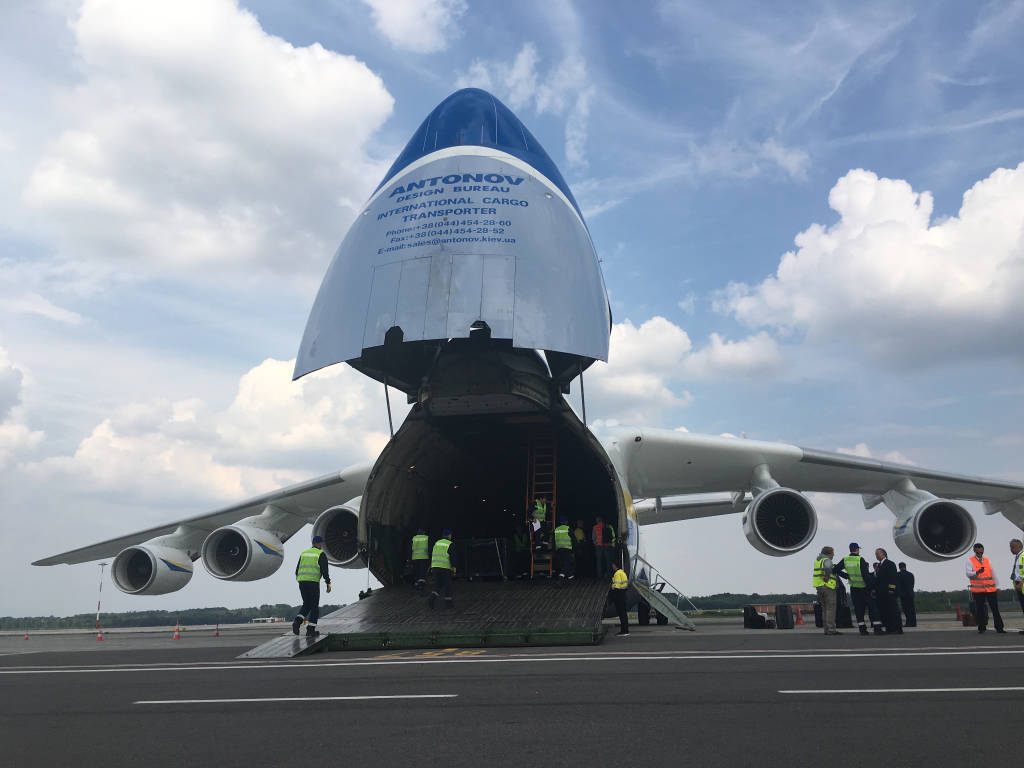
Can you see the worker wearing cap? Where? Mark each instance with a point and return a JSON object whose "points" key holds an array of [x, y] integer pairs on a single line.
{"points": [[563, 550], [984, 589], [442, 570], [855, 570], [420, 556], [312, 566]]}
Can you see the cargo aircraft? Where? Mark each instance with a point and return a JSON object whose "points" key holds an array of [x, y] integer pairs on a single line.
{"points": [[470, 283]]}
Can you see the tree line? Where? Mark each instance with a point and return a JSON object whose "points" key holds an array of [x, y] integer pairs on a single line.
{"points": [[924, 601], [187, 617]]}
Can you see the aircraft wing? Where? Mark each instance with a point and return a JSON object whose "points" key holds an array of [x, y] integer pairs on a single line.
{"points": [[659, 463], [301, 503]]}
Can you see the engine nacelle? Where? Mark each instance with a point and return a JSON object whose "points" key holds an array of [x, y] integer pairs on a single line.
{"points": [[935, 530], [780, 521], [242, 553], [340, 528], [150, 569]]}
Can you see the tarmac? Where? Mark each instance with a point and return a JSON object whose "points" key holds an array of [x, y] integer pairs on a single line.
{"points": [[720, 696]]}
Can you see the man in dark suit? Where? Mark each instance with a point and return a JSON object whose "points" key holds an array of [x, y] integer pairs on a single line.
{"points": [[885, 586], [905, 591]]}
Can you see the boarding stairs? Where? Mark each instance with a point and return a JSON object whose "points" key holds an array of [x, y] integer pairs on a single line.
{"points": [[653, 587], [542, 474]]}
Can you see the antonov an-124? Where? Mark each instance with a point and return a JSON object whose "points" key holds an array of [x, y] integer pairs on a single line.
{"points": [[469, 281]]}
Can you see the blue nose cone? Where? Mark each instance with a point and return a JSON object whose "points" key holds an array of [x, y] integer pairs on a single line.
{"points": [[474, 117]]}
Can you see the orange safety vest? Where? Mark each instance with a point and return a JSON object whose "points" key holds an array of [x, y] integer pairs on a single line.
{"points": [[987, 581]]}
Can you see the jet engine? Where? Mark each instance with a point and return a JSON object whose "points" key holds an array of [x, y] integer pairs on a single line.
{"points": [[340, 528], [935, 530], [779, 521], [242, 553], [148, 569]]}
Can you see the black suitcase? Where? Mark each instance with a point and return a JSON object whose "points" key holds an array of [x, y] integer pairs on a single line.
{"points": [[843, 618], [818, 620], [784, 617]]}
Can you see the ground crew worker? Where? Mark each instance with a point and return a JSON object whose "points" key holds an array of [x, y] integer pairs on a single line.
{"points": [[905, 592], [620, 581], [420, 555], [312, 566], [984, 589], [854, 569], [1017, 573], [584, 552], [539, 515], [563, 551], [824, 582], [442, 570], [520, 553], [603, 536]]}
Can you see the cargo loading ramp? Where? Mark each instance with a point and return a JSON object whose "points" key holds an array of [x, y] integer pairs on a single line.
{"points": [[486, 614]]}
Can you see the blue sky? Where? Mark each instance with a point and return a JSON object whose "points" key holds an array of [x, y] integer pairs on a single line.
{"points": [[810, 218]]}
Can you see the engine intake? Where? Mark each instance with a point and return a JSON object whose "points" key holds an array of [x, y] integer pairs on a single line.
{"points": [[340, 528], [148, 569], [779, 522], [935, 530], [242, 553]]}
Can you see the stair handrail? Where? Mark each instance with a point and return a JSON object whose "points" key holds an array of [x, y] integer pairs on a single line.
{"points": [[654, 577]]}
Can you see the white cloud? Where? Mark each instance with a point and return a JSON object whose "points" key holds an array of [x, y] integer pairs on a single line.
{"points": [[894, 282], [15, 437], [275, 432], [635, 386], [421, 26], [756, 355], [195, 138], [33, 304]]}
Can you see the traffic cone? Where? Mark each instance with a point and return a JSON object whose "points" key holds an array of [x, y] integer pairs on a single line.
{"points": [[959, 614], [799, 618], [217, 633], [99, 635], [26, 634], [177, 632]]}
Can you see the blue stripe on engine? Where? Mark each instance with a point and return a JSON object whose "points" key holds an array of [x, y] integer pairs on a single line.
{"points": [[269, 549], [175, 566]]}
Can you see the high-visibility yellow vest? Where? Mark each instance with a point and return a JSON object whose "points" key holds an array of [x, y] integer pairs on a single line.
{"points": [[439, 557], [986, 582], [818, 579], [309, 565], [1020, 568], [852, 565], [540, 510], [420, 543], [562, 538], [580, 535], [619, 579]]}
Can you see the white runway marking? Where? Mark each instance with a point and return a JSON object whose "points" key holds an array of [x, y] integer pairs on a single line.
{"points": [[304, 698], [297, 665], [911, 690]]}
